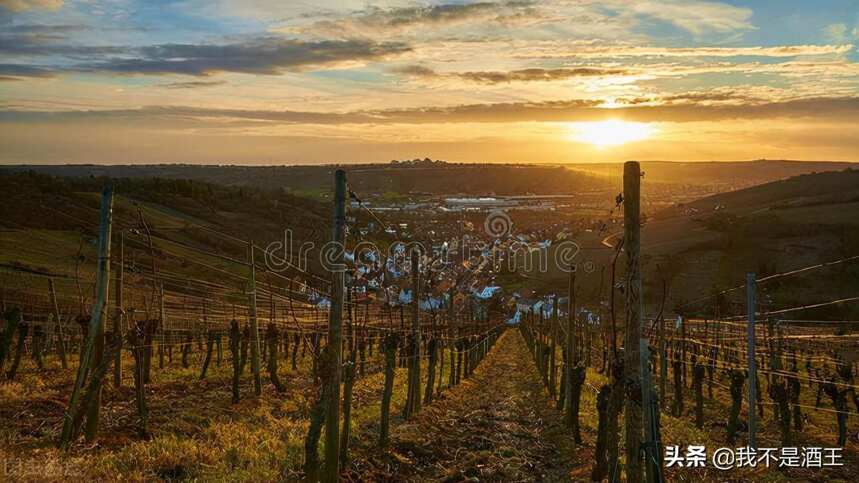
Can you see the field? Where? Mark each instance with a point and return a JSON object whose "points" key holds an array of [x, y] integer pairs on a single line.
{"points": [[207, 357]]}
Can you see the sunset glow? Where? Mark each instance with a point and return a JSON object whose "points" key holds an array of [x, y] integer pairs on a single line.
{"points": [[610, 133], [272, 82]]}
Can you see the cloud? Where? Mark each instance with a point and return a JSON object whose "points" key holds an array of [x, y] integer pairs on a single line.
{"points": [[521, 75], [267, 56], [45, 29], [695, 97], [676, 108], [193, 84], [696, 17], [556, 50], [415, 71], [24, 5], [49, 40], [570, 18], [14, 72], [535, 74], [377, 21]]}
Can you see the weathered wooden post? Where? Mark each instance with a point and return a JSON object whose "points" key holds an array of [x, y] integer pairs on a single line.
{"points": [[413, 405], [162, 340], [96, 314], [576, 372], [95, 400], [252, 314], [652, 448], [452, 343], [333, 362], [632, 244], [140, 335], [553, 348], [117, 318], [663, 361], [432, 348], [750, 328], [571, 353], [349, 371], [683, 347]]}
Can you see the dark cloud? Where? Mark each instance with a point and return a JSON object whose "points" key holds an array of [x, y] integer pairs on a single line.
{"points": [[193, 84], [45, 29], [375, 20], [694, 97], [415, 71], [527, 75], [259, 56], [521, 75], [13, 72], [268, 55], [49, 40], [843, 108], [445, 13]]}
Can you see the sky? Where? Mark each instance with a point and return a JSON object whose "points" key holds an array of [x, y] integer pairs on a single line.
{"points": [[323, 81]]}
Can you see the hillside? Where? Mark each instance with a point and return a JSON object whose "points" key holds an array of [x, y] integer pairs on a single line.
{"points": [[808, 190], [768, 229], [401, 178], [723, 175], [199, 231]]}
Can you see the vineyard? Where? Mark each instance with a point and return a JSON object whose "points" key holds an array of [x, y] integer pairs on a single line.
{"points": [[161, 346]]}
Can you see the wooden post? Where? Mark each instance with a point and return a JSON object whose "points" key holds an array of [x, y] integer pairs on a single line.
{"points": [[632, 244], [94, 407], [452, 343], [413, 405], [96, 314], [162, 330], [554, 342], [117, 319], [572, 357], [652, 452], [335, 319], [750, 328], [683, 346], [663, 361], [60, 336], [252, 314]]}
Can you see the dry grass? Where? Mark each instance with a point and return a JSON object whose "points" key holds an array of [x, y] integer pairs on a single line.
{"points": [[498, 425], [196, 433]]}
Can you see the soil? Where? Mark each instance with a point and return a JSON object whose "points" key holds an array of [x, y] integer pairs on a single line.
{"points": [[498, 425]]}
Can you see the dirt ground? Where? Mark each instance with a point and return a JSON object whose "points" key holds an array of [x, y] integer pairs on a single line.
{"points": [[496, 426]]}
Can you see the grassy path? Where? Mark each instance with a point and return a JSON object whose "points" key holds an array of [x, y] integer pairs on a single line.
{"points": [[496, 426]]}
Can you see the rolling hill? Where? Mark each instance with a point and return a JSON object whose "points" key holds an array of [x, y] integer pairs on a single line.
{"points": [[397, 178]]}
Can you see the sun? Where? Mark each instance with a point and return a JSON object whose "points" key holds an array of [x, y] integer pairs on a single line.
{"points": [[610, 133]]}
